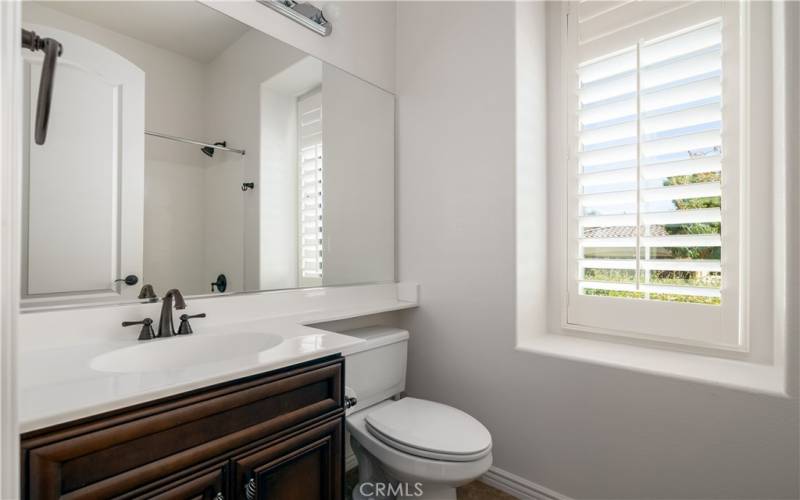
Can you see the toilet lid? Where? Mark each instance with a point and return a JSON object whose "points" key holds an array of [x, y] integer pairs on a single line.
{"points": [[427, 429]]}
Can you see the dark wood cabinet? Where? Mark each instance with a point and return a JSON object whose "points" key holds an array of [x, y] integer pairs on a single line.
{"points": [[281, 433], [305, 466], [207, 485]]}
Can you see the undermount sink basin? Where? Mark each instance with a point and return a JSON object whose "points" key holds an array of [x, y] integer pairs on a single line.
{"points": [[184, 350]]}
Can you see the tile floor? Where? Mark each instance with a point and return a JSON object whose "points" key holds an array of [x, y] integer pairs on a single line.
{"points": [[477, 490]]}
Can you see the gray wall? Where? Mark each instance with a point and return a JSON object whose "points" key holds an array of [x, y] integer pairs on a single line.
{"points": [[583, 430]]}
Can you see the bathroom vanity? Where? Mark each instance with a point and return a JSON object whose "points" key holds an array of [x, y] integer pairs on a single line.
{"points": [[277, 435], [245, 409]]}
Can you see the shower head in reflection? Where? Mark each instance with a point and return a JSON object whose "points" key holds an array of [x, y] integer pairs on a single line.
{"points": [[209, 151]]}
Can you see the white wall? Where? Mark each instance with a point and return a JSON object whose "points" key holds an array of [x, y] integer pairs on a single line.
{"points": [[175, 208], [584, 430], [278, 190], [358, 180], [362, 41]]}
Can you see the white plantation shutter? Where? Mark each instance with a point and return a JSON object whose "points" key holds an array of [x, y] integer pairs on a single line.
{"points": [[653, 122], [310, 185]]}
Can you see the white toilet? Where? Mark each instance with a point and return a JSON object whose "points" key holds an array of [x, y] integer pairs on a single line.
{"points": [[406, 448]]}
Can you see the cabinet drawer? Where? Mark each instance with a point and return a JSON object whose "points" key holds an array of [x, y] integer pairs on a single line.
{"points": [[210, 484], [306, 466], [110, 455]]}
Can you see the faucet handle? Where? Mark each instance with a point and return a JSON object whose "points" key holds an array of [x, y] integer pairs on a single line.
{"points": [[185, 328], [147, 332], [148, 293]]}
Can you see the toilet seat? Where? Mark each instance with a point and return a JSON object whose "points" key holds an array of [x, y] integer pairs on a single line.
{"points": [[430, 430]]}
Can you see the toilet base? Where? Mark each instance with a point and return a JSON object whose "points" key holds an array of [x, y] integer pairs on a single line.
{"points": [[375, 484]]}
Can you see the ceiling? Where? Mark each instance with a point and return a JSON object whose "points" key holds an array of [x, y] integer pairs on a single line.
{"points": [[188, 28]]}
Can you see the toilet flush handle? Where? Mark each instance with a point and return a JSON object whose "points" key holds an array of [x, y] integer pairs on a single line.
{"points": [[349, 397]]}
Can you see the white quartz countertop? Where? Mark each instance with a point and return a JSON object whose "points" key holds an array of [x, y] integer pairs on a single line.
{"points": [[58, 384]]}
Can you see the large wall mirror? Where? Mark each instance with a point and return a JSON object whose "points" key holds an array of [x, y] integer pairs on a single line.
{"points": [[188, 150]]}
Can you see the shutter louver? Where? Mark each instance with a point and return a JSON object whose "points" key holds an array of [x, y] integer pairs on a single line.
{"points": [[310, 189], [649, 154]]}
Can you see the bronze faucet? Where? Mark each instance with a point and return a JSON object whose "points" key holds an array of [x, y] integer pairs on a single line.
{"points": [[166, 328], [148, 293]]}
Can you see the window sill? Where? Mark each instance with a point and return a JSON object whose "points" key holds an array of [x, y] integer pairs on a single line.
{"points": [[751, 377]]}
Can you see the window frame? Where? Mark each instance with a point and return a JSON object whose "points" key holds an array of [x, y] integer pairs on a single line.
{"points": [[721, 327], [771, 261]]}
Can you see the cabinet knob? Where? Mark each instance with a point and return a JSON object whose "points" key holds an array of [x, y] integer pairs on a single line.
{"points": [[250, 489]]}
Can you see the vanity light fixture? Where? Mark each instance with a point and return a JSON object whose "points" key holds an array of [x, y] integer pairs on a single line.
{"points": [[303, 13]]}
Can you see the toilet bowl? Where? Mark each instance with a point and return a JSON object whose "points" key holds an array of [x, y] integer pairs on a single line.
{"points": [[408, 447]]}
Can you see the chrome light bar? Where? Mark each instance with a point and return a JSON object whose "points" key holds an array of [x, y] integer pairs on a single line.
{"points": [[303, 13]]}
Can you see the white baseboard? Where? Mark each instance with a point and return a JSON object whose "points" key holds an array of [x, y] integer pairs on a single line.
{"points": [[518, 486]]}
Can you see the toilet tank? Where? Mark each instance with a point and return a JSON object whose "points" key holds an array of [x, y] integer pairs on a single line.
{"points": [[375, 369]]}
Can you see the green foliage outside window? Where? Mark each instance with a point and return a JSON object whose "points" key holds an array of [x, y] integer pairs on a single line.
{"points": [[679, 278], [712, 253]]}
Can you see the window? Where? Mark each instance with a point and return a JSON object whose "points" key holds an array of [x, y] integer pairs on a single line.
{"points": [[309, 140], [654, 166], [739, 340]]}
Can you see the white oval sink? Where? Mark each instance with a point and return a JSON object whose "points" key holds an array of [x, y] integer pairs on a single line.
{"points": [[183, 351]]}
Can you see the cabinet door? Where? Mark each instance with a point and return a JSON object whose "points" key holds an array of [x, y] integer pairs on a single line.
{"points": [[307, 466], [84, 212]]}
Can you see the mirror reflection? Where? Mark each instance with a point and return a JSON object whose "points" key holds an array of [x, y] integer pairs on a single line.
{"points": [[188, 150]]}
